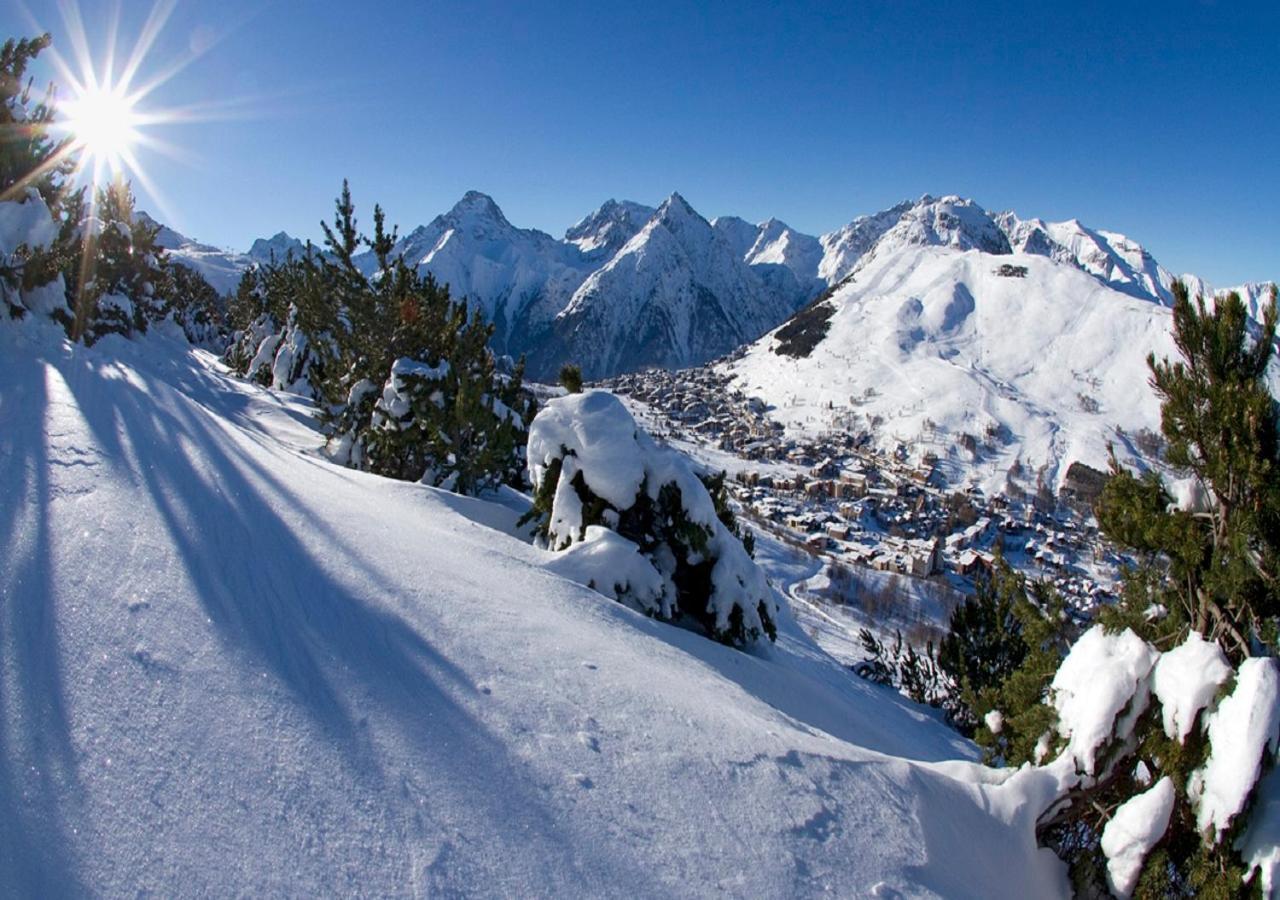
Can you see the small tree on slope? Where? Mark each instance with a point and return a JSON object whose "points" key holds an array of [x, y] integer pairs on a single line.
{"points": [[634, 521]]}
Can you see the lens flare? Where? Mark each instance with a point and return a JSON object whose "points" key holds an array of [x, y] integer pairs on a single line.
{"points": [[103, 126]]}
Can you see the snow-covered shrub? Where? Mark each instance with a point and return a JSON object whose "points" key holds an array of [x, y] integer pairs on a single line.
{"points": [[284, 325], [1129, 714], [195, 306], [595, 471]]}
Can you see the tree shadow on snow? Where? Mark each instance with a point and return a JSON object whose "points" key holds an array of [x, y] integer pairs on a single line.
{"points": [[267, 595], [39, 782]]}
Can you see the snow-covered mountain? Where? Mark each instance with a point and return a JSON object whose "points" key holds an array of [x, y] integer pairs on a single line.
{"points": [[841, 249], [603, 233], [1008, 362], [630, 286], [278, 248], [221, 268], [677, 294], [519, 277]]}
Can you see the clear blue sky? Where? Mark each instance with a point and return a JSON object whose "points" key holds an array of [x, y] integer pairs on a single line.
{"points": [[1159, 120]]}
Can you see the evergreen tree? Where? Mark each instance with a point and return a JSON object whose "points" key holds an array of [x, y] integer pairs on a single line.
{"points": [[571, 378], [120, 283], [1208, 572], [36, 170], [402, 373]]}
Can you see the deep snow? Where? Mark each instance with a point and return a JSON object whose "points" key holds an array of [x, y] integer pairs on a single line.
{"points": [[229, 666]]}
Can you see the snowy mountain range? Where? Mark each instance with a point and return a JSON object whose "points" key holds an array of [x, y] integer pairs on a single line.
{"points": [[632, 286]]}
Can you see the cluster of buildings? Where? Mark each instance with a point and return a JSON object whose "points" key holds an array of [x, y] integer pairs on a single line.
{"points": [[838, 496]]}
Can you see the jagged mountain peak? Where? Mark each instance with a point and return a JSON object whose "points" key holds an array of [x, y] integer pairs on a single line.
{"points": [[279, 246], [949, 221], [676, 207], [477, 207], [603, 232]]}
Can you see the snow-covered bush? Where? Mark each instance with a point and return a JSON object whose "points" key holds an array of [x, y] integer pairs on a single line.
{"points": [[1129, 714], [283, 323], [606, 492]]}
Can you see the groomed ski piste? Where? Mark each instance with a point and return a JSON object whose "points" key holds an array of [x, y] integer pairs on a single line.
{"points": [[229, 666]]}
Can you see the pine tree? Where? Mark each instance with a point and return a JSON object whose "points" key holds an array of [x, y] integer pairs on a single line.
{"points": [[35, 169], [571, 378], [1220, 422], [120, 282], [403, 375], [1208, 565]]}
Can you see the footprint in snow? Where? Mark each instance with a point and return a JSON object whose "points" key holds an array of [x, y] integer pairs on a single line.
{"points": [[589, 740], [583, 781]]}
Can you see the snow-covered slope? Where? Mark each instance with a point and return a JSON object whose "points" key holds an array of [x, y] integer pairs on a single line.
{"points": [[962, 352], [677, 294], [221, 268], [1110, 257], [779, 244], [228, 666], [843, 248]]}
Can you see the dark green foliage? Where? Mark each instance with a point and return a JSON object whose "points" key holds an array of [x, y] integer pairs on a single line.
{"points": [[1220, 422], [806, 329], [571, 378], [716, 487], [120, 283], [917, 675], [29, 157], [1035, 617], [195, 306]]}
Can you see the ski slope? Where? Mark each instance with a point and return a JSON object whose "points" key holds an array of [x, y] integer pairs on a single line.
{"points": [[228, 666]]}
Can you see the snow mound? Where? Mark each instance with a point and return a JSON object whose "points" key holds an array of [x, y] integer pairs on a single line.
{"points": [[1100, 690], [1185, 681], [1136, 827], [592, 435], [1244, 727]]}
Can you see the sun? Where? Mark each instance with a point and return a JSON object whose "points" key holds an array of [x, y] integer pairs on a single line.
{"points": [[103, 126]]}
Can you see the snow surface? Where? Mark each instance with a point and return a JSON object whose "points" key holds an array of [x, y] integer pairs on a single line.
{"points": [[1136, 827], [1185, 681], [26, 222], [228, 666]]}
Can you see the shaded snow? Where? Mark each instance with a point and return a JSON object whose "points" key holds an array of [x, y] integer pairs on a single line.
{"points": [[1244, 727]]}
